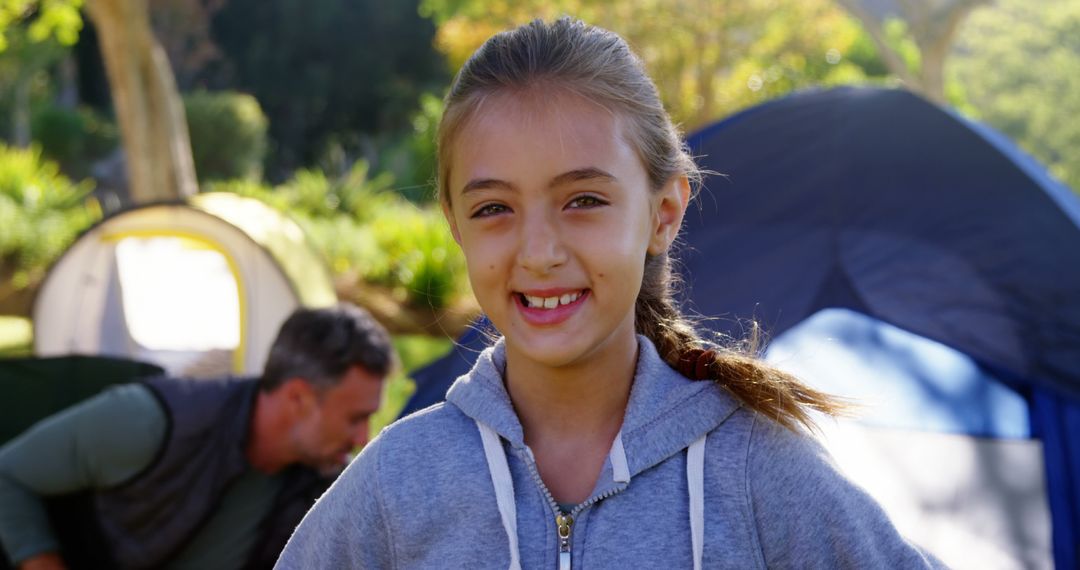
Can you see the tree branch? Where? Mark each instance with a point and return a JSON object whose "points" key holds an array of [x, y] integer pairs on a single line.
{"points": [[876, 29]]}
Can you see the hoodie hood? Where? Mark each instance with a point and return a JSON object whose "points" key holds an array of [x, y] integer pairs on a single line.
{"points": [[666, 411]]}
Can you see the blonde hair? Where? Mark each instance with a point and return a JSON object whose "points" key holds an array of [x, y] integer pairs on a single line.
{"points": [[599, 66]]}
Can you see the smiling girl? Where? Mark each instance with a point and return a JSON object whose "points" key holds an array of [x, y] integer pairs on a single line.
{"points": [[600, 431]]}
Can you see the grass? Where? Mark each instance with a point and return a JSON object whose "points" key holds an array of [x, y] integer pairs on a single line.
{"points": [[415, 351], [16, 336]]}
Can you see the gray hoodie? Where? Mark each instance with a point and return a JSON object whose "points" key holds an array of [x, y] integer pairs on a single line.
{"points": [[692, 481]]}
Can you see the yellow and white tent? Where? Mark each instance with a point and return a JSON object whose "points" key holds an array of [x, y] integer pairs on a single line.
{"points": [[199, 288]]}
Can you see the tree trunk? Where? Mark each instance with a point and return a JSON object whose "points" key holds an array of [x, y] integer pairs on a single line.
{"points": [[68, 96], [932, 24], [148, 106], [20, 111]]}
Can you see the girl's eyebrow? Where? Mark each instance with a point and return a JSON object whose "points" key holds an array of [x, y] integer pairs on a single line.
{"points": [[485, 183], [579, 174], [576, 175]]}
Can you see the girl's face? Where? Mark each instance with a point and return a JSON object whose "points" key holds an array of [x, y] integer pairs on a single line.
{"points": [[554, 213]]}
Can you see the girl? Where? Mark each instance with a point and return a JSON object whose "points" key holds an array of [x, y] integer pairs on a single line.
{"points": [[580, 439]]}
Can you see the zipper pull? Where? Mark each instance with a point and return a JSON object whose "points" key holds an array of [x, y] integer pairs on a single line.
{"points": [[563, 524]]}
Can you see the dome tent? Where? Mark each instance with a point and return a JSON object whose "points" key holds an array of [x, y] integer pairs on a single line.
{"points": [[915, 257], [199, 288]]}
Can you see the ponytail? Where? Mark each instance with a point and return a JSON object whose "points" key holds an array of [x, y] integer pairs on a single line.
{"points": [[734, 366]]}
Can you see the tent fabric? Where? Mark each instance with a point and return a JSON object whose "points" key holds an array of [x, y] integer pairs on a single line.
{"points": [[198, 288], [1056, 421], [879, 202], [433, 380], [35, 388], [918, 384], [975, 503], [281, 237]]}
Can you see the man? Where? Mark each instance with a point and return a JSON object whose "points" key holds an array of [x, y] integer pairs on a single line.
{"points": [[178, 473]]}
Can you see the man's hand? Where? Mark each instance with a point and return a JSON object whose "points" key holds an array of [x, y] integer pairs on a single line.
{"points": [[43, 561]]}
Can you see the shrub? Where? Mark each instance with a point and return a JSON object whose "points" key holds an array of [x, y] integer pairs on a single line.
{"points": [[367, 232], [41, 212], [313, 193], [424, 260], [74, 137], [228, 135]]}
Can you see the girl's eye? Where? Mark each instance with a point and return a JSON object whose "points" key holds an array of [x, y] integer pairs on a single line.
{"points": [[489, 210], [586, 202]]}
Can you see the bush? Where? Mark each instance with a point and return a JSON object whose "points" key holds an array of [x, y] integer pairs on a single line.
{"points": [[41, 212], [368, 232], [228, 135], [423, 259], [74, 137]]}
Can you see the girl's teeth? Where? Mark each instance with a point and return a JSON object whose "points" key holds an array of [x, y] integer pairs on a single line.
{"points": [[550, 302]]}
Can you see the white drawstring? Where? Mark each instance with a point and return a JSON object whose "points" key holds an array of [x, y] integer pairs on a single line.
{"points": [[504, 488], [620, 471], [695, 482]]}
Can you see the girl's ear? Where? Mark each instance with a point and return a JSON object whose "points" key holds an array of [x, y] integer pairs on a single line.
{"points": [[670, 207], [449, 215]]}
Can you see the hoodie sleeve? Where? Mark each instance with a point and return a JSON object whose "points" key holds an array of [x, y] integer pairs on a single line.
{"points": [[808, 515], [347, 527]]}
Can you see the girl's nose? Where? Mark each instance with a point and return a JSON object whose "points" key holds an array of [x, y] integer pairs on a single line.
{"points": [[541, 245]]}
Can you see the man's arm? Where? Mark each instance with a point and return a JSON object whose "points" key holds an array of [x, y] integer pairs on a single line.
{"points": [[98, 443]]}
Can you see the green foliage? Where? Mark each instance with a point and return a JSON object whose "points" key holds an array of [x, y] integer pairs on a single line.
{"points": [[903, 43], [228, 134], [41, 212], [16, 337], [709, 58], [1018, 64], [424, 263], [354, 194], [369, 233], [327, 72], [411, 157], [25, 81], [74, 137], [415, 351], [57, 19]]}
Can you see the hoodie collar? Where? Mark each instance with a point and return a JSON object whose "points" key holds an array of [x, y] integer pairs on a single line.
{"points": [[666, 411]]}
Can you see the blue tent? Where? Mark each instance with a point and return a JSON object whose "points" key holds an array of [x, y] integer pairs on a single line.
{"points": [[882, 206]]}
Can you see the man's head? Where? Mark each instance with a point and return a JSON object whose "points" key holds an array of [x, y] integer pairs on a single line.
{"points": [[326, 368]]}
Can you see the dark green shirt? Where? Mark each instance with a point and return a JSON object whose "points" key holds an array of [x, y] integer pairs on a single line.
{"points": [[103, 442]]}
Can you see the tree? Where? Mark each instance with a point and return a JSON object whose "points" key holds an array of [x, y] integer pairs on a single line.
{"points": [[331, 75], [708, 57], [930, 24], [183, 28], [147, 103], [24, 62], [144, 92], [1018, 64]]}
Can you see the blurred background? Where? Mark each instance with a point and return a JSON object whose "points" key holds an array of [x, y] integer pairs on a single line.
{"points": [[282, 153]]}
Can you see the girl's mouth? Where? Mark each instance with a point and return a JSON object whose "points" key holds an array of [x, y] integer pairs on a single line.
{"points": [[535, 302], [550, 309]]}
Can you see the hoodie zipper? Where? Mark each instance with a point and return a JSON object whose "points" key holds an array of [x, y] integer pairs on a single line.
{"points": [[564, 523]]}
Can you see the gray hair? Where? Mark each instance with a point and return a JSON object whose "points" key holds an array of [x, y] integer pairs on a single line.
{"points": [[320, 345]]}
